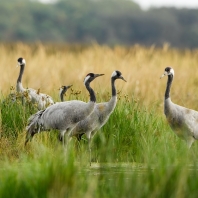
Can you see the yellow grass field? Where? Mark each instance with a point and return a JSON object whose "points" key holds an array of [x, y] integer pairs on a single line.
{"points": [[50, 66]]}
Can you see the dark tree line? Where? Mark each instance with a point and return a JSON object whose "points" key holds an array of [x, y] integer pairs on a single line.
{"points": [[104, 21]]}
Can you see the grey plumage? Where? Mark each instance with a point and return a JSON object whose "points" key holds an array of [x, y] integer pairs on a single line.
{"points": [[42, 100], [63, 116], [183, 121], [99, 116]]}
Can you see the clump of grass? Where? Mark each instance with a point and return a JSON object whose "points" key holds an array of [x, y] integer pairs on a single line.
{"points": [[131, 129], [45, 175], [14, 114]]}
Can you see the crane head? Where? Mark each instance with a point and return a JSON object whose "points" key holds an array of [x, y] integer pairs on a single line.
{"points": [[168, 71], [91, 76], [21, 61], [117, 75]]}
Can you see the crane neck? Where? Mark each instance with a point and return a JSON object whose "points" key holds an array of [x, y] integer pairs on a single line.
{"points": [[19, 83], [168, 86], [113, 89], [62, 97], [22, 67], [112, 102], [61, 94], [91, 92]]}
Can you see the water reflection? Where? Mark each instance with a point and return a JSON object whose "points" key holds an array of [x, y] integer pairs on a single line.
{"points": [[115, 169]]}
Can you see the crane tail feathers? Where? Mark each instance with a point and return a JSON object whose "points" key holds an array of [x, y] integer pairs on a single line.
{"points": [[33, 127]]}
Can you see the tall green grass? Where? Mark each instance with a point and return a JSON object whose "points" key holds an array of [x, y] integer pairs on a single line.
{"points": [[134, 155], [14, 114]]}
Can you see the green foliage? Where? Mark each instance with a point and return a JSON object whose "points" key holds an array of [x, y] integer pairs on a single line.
{"points": [[39, 177], [134, 155], [14, 114], [111, 22]]}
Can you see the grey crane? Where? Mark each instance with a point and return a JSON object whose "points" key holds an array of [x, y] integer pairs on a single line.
{"points": [[98, 118], [42, 100], [63, 116], [183, 121], [62, 92]]}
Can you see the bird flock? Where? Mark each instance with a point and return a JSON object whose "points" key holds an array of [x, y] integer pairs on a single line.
{"points": [[77, 118]]}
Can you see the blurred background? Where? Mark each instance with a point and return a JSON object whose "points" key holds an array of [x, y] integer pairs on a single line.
{"points": [[112, 22]]}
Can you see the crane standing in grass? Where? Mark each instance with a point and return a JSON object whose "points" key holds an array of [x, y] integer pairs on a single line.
{"points": [[42, 100], [63, 116], [183, 121], [98, 118]]}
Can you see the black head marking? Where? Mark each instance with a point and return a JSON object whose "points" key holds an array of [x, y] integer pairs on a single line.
{"points": [[21, 61], [90, 74], [118, 73], [167, 69], [64, 87]]}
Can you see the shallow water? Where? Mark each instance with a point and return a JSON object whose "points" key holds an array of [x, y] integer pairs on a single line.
{"points": [[127, 169], [113, 169]]}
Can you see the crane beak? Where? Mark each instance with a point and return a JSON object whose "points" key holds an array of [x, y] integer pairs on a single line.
{"points": [[18, 64], [97, 75], [69, 86], [123, 79], [164, 74]]}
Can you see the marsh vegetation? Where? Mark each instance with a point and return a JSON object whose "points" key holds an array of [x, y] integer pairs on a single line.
{"points": [[135, 154]]}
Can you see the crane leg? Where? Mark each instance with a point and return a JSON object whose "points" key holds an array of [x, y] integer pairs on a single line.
{"points": [[62, 137], [88, 134], [189, 141], [89, 145]]}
